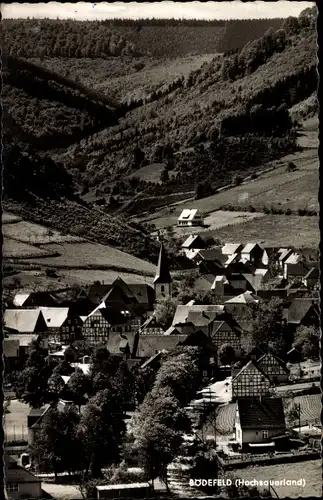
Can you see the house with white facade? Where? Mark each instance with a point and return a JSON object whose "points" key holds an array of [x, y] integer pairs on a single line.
{"points": [[190, 217]]}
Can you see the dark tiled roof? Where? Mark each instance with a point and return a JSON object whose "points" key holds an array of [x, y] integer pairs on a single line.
{"points": [[267, 413], [298, 309], [212, 255], [144, 294], [20, 475], [162, 273], [313, 273], [149, 345]]}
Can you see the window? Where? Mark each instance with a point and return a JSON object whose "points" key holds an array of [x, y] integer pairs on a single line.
{"points": [[12, 487], [265, 434], [162, 288]]}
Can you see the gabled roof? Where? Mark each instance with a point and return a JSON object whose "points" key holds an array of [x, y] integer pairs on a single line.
{"points": [[201, 314], [20, 298], [150, 323], [188, 214], [149, 345], [162, 272], [232, 258], [172, 330], [294, 258], [249, 247], [143, 293], [231, 248], [117, 343], [267, 413], [251, 364], [268, 359], [193, 241], [54, 316], [284, 254], [152, 359], [313, 273], [22, 320], [212, 255], [244, 298], [24, 339], [111, 315], [298, 309]]}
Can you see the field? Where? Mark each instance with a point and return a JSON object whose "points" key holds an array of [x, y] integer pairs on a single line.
{"points": [[93, 255], [225, 418], [273, 230], [34, 234], [278, 188], [311, 407], [13, 249], [30, 249], [149, 173]]}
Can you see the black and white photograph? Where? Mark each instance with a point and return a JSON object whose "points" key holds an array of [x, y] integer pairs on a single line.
{"points": [[160, 246]]}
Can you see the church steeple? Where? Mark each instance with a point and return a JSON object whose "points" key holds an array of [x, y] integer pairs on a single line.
{"points": [[163, 280]]}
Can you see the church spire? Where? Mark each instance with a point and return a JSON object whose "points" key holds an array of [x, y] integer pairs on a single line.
{"points": [[162, 273]]}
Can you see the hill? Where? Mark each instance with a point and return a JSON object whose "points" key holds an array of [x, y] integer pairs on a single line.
{"points": [[45, 109], [40, 190], [229, 115]]}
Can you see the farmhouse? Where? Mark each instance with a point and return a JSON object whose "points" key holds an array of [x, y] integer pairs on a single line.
{"points": [[252, 252], [25, 320], [193, 242], [258, 421], [20, 483], [34, 299], [232, 249], [240, 304], [226, 332], [151, 326], [62, 326], [190, 217], [310, 280], [302, 312], [251, 381], [274, 368], [187, 319]]}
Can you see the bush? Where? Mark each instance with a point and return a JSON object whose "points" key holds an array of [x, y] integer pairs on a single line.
{"points": [[266, 210], [291, 167], [288, 211], [237, 180], [254, 176]]}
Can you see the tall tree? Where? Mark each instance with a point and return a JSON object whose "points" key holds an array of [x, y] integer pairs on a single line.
{"points": [[102, 428], [78, 387], [165, 310]]}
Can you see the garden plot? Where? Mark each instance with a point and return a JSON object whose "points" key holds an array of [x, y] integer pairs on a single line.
{"points": [[35, 234]]}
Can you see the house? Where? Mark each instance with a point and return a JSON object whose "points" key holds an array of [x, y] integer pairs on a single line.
{"points": [[105, 320], [275, 369], [251, 381], [122, 344], [252, 252], [11, 354], [62, 326], [190, 217], [139, 297], [295, 266], [310, 280], [20, 483], [227, 331], [232, 248], [25, 320], [34, 299], [149, 345], [151, 326], [258, 420], [192, 243], [162, 281], [25, 340], [302, 312], [240, 304], [34, 422], [187, 319], [282, 255], [220, 285]]}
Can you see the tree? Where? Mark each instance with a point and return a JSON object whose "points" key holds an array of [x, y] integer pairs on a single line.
{"points": [[31, 385], [57, 447], [158, 428], [165, 310], [164, 176], [102, 428], [78, 387], [226, 354], [266, 319], [307, 341], [56, 386]]}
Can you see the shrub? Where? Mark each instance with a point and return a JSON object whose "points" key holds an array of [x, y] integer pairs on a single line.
{"points": [[254, 176], [288, 211], [237, 180], [291, 167], [251, 208], [266, 210]]}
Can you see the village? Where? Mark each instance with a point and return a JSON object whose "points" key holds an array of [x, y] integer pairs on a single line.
{"points": [[251, 315]]}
